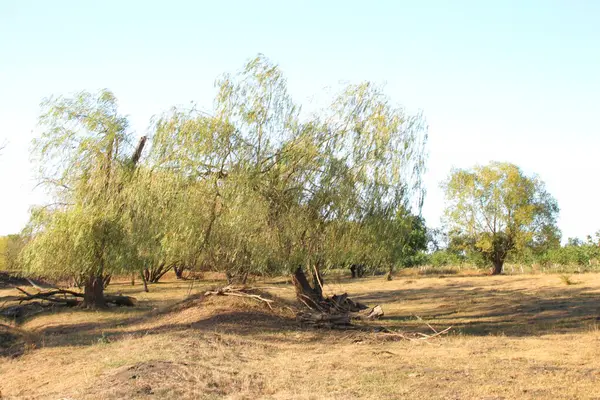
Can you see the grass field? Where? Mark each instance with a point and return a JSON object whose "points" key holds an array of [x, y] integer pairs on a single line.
{"points": [[512, 337]]}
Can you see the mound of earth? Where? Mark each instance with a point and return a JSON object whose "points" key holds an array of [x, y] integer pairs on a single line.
{"points": [[237, 313]]}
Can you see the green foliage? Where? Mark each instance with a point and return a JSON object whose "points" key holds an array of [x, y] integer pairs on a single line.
{"points": [[3, 245], [10, 248], [444, 258], [574, 253], [83, 154], [250, 188], [273, 192], [496, 211]]}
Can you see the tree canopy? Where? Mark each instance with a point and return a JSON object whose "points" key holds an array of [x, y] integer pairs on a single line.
{"points": [[250, 187], [83, 154], [497, 210]]}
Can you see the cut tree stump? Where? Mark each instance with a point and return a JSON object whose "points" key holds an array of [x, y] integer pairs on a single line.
{"points": [[332, 312]]}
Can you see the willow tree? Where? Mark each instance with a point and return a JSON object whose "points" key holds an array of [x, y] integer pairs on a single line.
{"points": [[372, 158], [499, 210], [85, 158], [262, 190]]}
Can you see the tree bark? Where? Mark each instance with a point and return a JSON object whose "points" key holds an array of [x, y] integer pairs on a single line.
{"points": [[144, 281], [308, 295], [93, 292], [178, 271], [154, 273], [497, 268], [106, 280]]}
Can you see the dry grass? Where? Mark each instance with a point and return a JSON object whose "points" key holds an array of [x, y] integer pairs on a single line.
{"points": [[513, 337]]}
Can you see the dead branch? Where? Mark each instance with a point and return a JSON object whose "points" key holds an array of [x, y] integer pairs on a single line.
{"points": [[375, 313], [415, 336], [238, 292], [73, 299], [325, 320]]}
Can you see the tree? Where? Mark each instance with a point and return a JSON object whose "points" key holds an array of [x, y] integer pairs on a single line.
{"points": [[498, 210], [10, 248], [85, 159], [250, 188], [267, 191]]}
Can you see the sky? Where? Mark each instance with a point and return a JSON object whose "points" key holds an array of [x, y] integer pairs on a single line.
{"points": [[515, 81]]}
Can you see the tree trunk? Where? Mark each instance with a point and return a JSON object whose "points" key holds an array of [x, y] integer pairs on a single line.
{"points": [[178, 271], [154, 273], [144, 281], [93, 292], [360, 272], [237, 277], [497, 268], [308, 295]]}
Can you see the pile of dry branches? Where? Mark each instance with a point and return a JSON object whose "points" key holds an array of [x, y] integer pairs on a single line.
{"points": [[336, 311]]}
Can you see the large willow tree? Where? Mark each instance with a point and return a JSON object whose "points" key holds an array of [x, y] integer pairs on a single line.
{"points": [[249, 187], [275, 190], [85, 158]]}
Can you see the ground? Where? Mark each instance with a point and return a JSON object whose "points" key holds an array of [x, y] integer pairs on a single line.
{"points": [[512, 337]]}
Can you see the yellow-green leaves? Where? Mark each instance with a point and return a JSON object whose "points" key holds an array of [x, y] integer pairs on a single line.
{"points": [[499, 207], [248, 187]]}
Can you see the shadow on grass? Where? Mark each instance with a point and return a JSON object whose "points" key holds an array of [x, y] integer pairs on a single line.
{"points": [[493, 311], [468, 309]]}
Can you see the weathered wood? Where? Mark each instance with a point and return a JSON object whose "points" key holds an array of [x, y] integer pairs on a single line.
{"points": [[375, 313], [324, 320], [332, 312], [119, 300], [59, 296], [49, 296], [305, 293]]}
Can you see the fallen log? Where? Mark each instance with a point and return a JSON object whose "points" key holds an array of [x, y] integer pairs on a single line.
{"points": [[120, 300], [70, 298], [51, 296], [324, 320]]}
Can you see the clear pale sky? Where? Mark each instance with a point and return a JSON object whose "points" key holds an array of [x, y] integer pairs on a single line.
{"points": [[515, 81]]}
